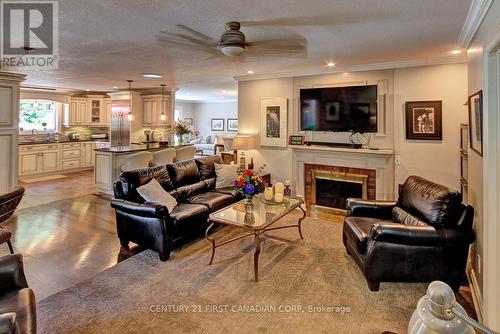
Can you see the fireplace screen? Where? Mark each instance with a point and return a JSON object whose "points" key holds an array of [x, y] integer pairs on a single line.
{"points": [[331, 189]]}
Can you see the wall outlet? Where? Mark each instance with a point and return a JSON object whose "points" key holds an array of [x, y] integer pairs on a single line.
{"points": [[397, 160]]}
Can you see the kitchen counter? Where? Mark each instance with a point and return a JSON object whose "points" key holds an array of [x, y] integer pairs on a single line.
{"points": [[42, 142], [136, 148]]}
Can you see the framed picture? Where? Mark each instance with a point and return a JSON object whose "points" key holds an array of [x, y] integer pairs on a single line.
{"points": [[217, 124], [189, 121], [232, 124], [476, 122], [424, 120], [273, 122], [296, 140]]}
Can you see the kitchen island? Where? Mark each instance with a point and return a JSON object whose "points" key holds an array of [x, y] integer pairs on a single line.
{"points": [[109, 160]]}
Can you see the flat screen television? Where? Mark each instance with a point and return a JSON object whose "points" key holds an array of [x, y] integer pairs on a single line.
{"points": [[340, 109]]}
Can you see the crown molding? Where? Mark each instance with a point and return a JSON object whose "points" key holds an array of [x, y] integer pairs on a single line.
{"points": [[355, 68], [477, 11], [207, 101]]}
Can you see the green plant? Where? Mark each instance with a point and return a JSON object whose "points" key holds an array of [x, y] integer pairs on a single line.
{"points": [[179, 128]]}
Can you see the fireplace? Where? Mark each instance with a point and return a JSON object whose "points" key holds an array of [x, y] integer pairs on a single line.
{"points": [[330, 186], [331, 189]]}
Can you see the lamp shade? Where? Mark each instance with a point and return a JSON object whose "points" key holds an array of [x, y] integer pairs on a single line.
{"points": [[244, 142]]}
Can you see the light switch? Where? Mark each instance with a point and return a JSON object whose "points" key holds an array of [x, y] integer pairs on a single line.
{"points": [[397, 160]]}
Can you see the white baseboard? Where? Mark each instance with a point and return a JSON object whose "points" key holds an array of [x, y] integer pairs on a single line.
{"points": [[476, 294]]}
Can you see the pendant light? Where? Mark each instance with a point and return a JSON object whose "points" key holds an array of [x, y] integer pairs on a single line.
{"points": [[163, 116], [130, 115]]}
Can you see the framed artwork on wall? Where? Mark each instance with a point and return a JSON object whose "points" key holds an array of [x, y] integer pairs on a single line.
{"points": [[189, 121], [232, 124], [273, 122], [217, 124], [424, 120], [475, 103]]}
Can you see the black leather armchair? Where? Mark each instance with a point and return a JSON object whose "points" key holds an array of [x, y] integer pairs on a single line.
{"points": [[422, 237], [17, 300], [150, 225]]}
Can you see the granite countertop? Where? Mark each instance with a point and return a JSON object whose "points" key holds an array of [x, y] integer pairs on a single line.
{"points": [[136, 148], [41, 142]]}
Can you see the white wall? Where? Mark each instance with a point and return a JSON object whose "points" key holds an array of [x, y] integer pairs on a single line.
{"points": [[444, 82], [204, 112], [438, 161]]}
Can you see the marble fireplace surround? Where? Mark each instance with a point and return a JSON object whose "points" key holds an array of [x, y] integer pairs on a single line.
{"points": [[381, 161]]}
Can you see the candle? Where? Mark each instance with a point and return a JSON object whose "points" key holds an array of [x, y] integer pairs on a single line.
{"points": [[287, 183], [279, 188], [268, 194], [278, 197]]}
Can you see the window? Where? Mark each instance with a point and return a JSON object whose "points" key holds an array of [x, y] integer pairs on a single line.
{"points": [[178, 113], [40, 115]]}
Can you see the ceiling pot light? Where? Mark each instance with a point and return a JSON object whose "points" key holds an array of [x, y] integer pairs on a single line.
{"points": [[87, 90], [115, 87], [151, 75], [330, 64], [456, 52], [233, 50], [250, 72]]}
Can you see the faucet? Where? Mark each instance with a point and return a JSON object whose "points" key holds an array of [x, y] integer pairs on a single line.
{"points": [[34, 134]]}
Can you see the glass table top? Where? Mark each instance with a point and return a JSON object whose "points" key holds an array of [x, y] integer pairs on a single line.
{"points": [[262, 216]]}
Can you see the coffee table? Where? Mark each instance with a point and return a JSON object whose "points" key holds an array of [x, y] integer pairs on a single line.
{"points": [[259, 221]]}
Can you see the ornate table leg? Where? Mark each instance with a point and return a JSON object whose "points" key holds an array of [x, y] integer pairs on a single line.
{"points": [[212, 240], [300, 221], [256, 255]]}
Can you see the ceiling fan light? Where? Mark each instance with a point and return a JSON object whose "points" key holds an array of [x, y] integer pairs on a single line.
{"points": [[233, 50]]}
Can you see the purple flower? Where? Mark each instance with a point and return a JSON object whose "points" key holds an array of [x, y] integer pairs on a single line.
{"points": [[249, 189]]}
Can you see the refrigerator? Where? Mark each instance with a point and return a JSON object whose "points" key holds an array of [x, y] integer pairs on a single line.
{"points": [[120, 125]]}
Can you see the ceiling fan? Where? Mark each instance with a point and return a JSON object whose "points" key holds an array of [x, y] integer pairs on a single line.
{"points": [[233, 42]]}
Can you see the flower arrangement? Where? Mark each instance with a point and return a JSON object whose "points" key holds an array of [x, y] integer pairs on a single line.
{"points": [[179, 128], [248, 183]]}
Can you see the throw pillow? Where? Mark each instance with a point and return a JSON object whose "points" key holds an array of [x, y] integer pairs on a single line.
{"points": [[225, 175], [154, 192]]}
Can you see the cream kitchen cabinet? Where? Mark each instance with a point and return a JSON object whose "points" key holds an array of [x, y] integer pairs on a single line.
{"points": [[99, 111], [152, 108], [88, 154], [35, 159], [78, 113]]}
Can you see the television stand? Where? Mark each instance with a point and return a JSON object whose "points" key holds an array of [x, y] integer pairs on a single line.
{"points": [[342, 145]]}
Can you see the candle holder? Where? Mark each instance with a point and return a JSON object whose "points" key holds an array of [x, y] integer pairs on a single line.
{"points": [[287, 191]]}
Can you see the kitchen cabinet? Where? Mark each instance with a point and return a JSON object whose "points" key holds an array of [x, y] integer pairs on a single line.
{"points": [[71, 155], [99, 111], [35, 159], [152, 108], [88, 111], [88, 154], [78, 113], [107, 111]]}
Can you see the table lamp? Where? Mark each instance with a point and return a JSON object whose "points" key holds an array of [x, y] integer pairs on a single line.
{"points": [[242, 143]]}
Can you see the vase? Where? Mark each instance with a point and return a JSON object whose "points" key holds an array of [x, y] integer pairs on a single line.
{"points": [[249, 205]]}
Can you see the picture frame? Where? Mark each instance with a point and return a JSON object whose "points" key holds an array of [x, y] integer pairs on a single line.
{"points": [[189, 121], [424, 120], [475, 105], [232, 124], [273, 122], [295, 140], [217, 124]]}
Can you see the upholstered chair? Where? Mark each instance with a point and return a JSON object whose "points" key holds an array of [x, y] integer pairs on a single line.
{"points": [[136, 161], [8, 204], [185, 153], [163, 157]]}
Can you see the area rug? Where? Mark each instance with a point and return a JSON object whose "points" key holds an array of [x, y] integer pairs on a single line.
{"points": [[306, 286], [43, 178]]}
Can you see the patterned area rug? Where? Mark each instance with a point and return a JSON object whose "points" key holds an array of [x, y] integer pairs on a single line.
{"points": [[306, 286]]}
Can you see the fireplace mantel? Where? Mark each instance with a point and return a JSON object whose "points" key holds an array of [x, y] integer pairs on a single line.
{"points": [[381, 161], [342, 149]]}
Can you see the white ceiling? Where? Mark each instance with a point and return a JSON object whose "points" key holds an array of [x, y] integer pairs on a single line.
{"points": [[103, 43]]}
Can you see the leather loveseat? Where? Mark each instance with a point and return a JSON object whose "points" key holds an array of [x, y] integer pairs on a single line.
{"points": [[191, 182], [17, 300], [422, 237]]}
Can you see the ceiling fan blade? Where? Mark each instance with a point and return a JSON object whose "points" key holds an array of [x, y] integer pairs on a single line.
{"points": [[187, 38], [183, 43], [199, 34]]}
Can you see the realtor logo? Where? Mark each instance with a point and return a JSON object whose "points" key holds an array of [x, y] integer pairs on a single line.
{"points": [[29, 34]]}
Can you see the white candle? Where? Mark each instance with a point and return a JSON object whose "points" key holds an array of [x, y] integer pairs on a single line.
{"points": [[279, 187], [278, 197], [287, 183], [268, 194]]}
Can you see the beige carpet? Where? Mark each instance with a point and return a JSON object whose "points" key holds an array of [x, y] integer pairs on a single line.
{"points": [[308, 286]]}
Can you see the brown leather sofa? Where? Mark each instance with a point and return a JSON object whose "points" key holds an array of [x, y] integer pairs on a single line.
{"points": [[191, 182], [422, 237], [17, 300]]}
